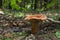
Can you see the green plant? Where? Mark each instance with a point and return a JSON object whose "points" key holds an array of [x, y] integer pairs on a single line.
{"points": [[22, 33], [5, 3], [52, 4], [27, 5], [57, 34], [19, 14], [14, 4], [9, 38]]}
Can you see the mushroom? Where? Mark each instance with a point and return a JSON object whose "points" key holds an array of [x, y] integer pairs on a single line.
{"points": [[34, 19]]}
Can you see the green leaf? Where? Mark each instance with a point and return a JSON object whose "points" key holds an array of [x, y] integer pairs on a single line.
{"points": [[19, 0], [8, 39], [57, 34], [14, 5], [52, 3]]}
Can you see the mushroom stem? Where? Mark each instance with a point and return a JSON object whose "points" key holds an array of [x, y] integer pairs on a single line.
{"points": [[34, 27]]}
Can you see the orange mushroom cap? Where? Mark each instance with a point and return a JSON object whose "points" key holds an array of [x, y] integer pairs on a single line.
{"points": [[36, 16]]}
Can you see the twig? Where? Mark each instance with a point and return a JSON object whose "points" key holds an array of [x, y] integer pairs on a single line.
{"points": [[52, 20]]}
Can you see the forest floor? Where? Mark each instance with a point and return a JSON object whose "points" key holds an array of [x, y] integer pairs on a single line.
{"points": [[11, 29]]}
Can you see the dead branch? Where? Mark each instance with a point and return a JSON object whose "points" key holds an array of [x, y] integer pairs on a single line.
{"points": [[52, 20]]}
